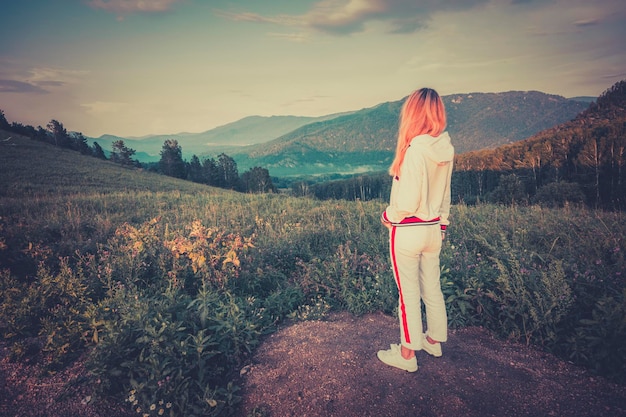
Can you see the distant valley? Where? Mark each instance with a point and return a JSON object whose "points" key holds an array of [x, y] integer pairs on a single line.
{"points": [[363, 140]]}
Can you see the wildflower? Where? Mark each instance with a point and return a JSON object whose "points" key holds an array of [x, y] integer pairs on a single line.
{"points": [[168, 405], [152, 407], [161, 411]]}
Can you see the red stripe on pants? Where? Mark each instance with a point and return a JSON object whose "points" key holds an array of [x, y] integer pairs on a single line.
{"points": [[396, 273]]}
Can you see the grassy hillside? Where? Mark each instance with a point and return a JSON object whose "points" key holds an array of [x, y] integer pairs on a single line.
{"points": [[34, 168], [168, 286]]}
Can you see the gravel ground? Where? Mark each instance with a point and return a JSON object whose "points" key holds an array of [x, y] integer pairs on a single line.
{"points": [[330, 368]]}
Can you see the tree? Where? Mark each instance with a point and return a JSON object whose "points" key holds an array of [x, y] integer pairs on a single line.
{"points": [[4, 124], [591, 157], [227, 168], [121, 154], [559, 194], [78, 142], [510, 190], [171, 163], [194, 170], [257, 180], [211, 173], [300, 189], [58, 134], [97, 151]]}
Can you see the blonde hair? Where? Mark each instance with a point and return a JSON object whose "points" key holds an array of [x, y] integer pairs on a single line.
{"points": [[422, 113]]}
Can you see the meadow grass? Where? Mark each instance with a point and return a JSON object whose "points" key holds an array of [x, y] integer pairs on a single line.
{"points": [[169, 284]]}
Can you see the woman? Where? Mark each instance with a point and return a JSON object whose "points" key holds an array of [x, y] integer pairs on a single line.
{"points": [[417, 217]]}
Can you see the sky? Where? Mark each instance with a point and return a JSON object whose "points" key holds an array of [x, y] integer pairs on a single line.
{"points": [[139, 67]]}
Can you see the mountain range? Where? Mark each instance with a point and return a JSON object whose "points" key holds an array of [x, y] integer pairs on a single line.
{"points": [[362, 140]]}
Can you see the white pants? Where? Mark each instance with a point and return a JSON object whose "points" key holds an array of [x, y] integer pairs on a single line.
{"points": [[414, 254]]}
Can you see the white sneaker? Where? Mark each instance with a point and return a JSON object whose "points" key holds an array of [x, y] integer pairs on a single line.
{"points": [[431, 349], [393, 357]]}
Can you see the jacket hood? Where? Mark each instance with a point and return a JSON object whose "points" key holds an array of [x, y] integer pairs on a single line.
{"points": [[438, 149]]}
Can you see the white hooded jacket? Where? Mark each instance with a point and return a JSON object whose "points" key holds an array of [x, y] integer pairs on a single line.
{"points": [[421, 194]]}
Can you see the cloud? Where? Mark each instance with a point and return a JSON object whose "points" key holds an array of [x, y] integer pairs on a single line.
{"points": [[343, 17], [615, 76], [52, 83], [14, 86], [311, 99], [587, 22], [284, 20], [294, 37], [105, 107], [125, 7]]}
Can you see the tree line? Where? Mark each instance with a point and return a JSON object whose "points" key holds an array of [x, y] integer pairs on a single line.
{"points": [[219, 172]]}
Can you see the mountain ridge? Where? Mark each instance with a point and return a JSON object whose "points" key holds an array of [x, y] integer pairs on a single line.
{"points": [[363, 139], [246, 131], [367, 138]]}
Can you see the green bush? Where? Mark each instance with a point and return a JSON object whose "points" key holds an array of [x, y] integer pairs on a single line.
{"points": [[170, 331], [173, 349], [559, 194], [549, 277], [598, 341], [56, 307], [356, 282]]}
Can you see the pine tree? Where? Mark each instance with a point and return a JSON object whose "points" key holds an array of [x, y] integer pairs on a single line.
{"points": [[171, 163]]}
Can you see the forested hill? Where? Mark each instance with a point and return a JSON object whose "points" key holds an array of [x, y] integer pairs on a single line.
{"points": [[589, 151], [479, 121], [610, 105]]}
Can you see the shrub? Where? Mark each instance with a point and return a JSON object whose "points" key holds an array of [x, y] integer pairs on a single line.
{"points": [[55, 307], [350, 280], [598, 341], [532, 299], [173, 350], [510, 190], [559, 194], [170, 331], [542, 276]]}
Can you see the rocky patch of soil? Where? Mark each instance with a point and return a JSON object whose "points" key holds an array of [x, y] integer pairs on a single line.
{"points": [[330, 368]]}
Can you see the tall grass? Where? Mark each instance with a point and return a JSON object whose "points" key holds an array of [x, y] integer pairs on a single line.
{"points": [[169, 285]]}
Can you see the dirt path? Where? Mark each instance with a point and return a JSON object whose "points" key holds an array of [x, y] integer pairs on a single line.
{"points": [[329, 368]]}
